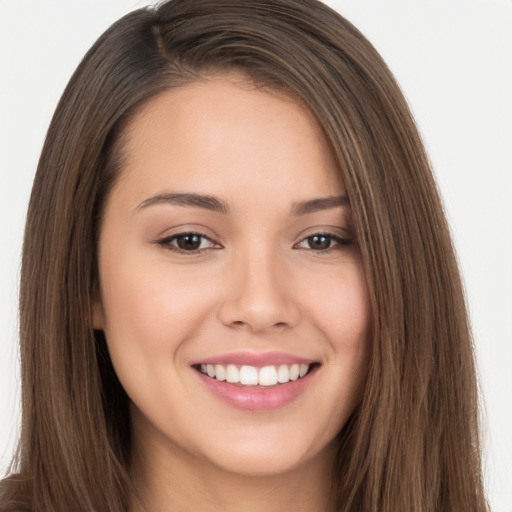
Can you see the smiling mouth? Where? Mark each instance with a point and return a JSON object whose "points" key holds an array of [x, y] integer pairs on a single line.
{"points": [[264, 377]]}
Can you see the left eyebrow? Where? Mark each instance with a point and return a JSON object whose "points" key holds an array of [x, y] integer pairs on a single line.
{"points": [[316, 205], [191, 200]]}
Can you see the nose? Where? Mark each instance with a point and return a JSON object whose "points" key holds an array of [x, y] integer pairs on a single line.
{"points": [[258, 295]]}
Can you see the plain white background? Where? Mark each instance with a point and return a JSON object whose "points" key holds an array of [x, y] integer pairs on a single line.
{"points": [[453, 59]]}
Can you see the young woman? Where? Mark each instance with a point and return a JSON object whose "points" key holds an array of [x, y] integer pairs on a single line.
{"points": [[238, 287]]}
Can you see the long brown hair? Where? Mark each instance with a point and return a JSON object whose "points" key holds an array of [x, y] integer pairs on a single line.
{"points": [[412, 444]]}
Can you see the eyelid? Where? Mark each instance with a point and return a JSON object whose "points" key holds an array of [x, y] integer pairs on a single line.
{"points": [[185, 229], [343, 233]]}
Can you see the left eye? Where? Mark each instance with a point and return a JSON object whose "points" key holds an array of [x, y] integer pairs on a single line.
{"points": [[187, 242], [321, 242]]}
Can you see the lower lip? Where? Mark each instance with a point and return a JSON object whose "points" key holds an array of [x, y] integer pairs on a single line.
{"points": [[257, 398]]}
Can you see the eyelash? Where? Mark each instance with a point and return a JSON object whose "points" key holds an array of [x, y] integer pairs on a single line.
{"points": [[338, 241], [168, 242]]}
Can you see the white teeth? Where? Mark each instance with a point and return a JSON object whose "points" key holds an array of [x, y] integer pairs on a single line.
{"points": [[268, 376], [232, 373], [220, 372], [252, 376], [294, 372], [283, 374], [248, 376]]}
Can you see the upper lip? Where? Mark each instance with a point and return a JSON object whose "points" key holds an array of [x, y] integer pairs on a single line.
{"points": [[256, 359]]}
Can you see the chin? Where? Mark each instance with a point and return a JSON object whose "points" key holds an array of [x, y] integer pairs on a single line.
{"points": [[265, 454], [261, 463]]}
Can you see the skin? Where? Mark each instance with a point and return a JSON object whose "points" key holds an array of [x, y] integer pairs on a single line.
{"points": [[256, 284]]}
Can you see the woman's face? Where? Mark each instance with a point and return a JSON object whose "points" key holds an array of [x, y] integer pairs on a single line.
{"points": [[227, 253]]}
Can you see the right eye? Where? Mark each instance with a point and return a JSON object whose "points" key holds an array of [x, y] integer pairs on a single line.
{"points": [[187, 243]]}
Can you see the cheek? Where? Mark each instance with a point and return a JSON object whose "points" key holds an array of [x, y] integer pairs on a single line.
{"points": [[148, 310], [342, 309], [343, 314], [149, 314]]}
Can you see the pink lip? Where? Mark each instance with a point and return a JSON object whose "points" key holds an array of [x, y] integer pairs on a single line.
{"points": [[256, 398], [259, 360]]}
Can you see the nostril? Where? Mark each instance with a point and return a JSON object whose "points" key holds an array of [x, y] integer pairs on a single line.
{"points": [[241, 323]]}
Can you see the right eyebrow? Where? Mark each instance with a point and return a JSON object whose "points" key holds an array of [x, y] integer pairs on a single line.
{"points": [[322, 203], [206, 202]]}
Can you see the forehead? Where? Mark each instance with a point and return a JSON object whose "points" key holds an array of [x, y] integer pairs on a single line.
{"points": [[201, 133]]}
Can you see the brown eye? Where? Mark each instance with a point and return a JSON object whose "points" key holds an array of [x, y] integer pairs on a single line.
{"points": [[189, 242], [322, 242], [319, 242]]}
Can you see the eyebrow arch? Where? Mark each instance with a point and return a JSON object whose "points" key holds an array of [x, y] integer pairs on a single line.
{"points": [[316, 205], [194, 200]]}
